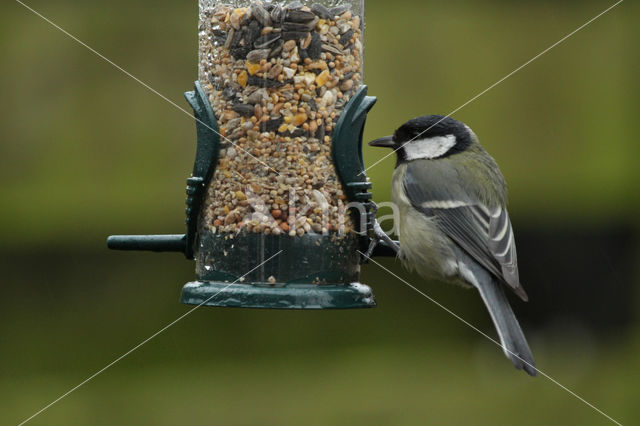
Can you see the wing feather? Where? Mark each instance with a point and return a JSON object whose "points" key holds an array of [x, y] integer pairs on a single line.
{"points": [[485, 234]]}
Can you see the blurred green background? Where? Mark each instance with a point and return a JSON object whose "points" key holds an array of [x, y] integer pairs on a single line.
{"points": [[85, 152]]}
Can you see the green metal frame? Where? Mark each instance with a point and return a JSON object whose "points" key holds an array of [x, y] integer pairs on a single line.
{"points": [[207, 151]]}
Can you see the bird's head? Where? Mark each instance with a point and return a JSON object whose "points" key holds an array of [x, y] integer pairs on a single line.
{"points": [[428, 137]]}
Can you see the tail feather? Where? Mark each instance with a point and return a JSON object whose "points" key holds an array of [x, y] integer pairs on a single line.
{"points": [[514, 344]]}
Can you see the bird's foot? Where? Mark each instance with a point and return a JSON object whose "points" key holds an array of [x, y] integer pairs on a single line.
{"points": [[378, 235]]}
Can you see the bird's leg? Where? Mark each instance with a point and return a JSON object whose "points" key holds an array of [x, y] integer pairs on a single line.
{"points": [[378, 235]]}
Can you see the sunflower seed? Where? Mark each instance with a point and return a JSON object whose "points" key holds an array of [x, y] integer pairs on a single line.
{"points": [[263, 82], [315, 47], [345, 39], [239, 52], [244, 110], [261, 14], [294, 6], [230, 36], [256, 56], [266, 40], [338, 10], [295, 26], [293, 35], [252, 33], [299, 16], [332, 49], [321, 11], [276, 14], [276, 50]]}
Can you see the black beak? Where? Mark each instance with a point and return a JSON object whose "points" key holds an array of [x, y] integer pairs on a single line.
{"points": [[385, 142]]}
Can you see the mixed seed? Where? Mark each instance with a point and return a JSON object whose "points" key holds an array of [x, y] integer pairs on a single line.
{"points": [[278, 77]]}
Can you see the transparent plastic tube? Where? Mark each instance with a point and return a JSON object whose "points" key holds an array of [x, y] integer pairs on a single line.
{"points": [[278, 76]]}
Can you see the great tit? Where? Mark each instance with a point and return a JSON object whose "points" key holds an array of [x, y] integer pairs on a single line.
{"points": [[453, 221]]}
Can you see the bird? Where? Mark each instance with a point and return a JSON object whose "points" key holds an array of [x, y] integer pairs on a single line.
{"points": [[453, 223]]}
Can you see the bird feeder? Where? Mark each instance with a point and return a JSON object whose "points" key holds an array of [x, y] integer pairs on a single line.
{"points": [[278, 204]]}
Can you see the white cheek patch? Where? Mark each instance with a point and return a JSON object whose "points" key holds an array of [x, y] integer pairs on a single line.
{"points": [[429, 148]]}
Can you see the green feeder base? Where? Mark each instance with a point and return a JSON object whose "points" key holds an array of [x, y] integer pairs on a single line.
{"points": [[288, 296], [312, 271]]}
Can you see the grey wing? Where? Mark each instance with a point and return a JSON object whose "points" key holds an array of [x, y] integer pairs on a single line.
{"points": [[484, 233]]}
